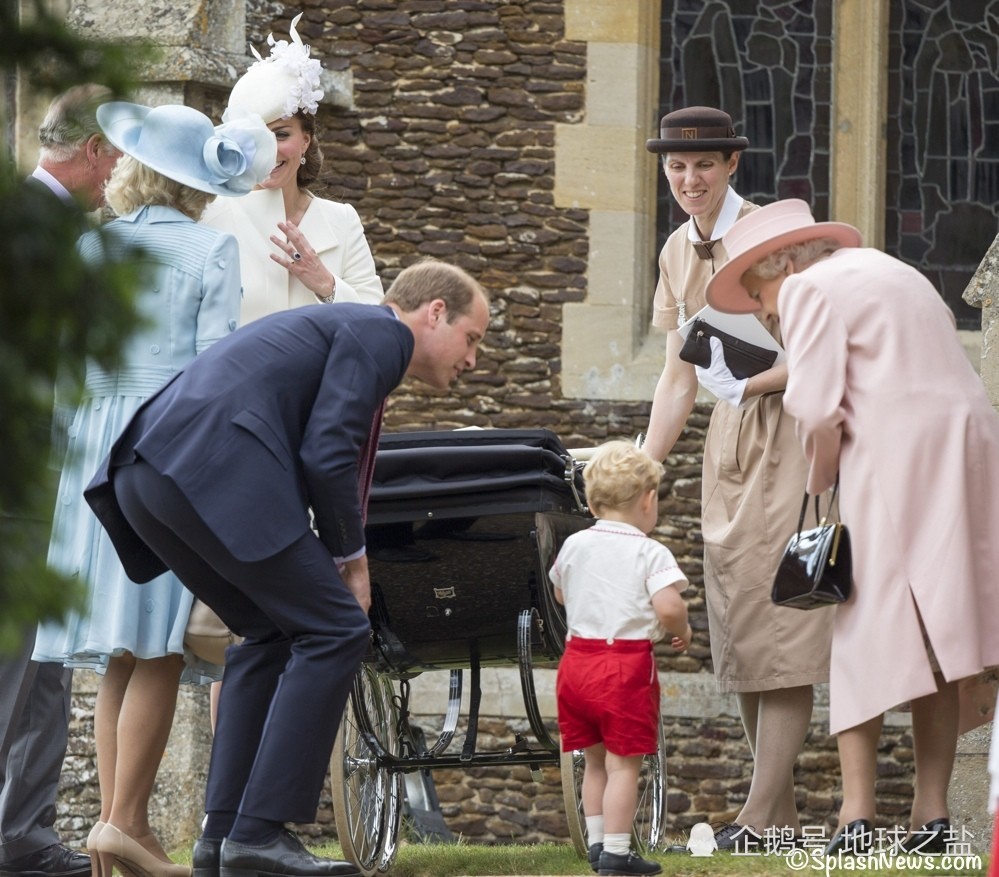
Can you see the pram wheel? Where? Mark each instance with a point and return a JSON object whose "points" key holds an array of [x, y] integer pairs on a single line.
{"points": [[367, 798]]}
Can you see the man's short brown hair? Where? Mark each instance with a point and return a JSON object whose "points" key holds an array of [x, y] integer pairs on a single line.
{"points": [[430, 279]]}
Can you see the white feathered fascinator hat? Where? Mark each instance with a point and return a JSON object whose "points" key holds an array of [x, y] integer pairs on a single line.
{"points": [[278, 86]]}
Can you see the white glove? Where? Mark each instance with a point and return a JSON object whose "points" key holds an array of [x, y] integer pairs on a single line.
{"points": [[718, 379]]}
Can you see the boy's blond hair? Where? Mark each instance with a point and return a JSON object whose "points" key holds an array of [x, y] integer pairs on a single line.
{"points": [[618, 473]]}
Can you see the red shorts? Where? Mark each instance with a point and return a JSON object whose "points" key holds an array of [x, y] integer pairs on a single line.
{"points": [[608, 693]]}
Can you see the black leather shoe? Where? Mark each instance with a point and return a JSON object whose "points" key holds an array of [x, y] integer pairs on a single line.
{"points": [[738, 838], [855, 839], [593, 855], [206, 857], [56, 860], [626, 866], [285, 856], [930, 840]]}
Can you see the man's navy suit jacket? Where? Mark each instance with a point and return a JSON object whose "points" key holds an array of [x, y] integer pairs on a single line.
{"points": [[263, 425]]}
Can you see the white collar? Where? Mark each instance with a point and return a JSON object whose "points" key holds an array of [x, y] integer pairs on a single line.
{"points": [[618, 526], [43, 176], [726, 218]]}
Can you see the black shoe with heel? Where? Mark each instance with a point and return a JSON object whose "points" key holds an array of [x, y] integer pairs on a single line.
{"points": [[206, 857], [738, 838], [930, 840], [55, 860], [854, 839]]}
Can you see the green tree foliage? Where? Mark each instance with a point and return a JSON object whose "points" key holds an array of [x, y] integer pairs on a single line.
{"points": [[54, 312]]}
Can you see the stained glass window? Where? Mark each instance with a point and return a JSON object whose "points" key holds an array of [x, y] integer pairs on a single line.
{"points": [[943, 141], [769, 64]]}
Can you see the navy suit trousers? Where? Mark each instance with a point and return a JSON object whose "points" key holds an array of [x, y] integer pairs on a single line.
{"points": [[287, 684]]}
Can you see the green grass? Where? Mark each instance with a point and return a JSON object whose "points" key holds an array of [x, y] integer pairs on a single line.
{"points": [[467, 860], [462, 859]]}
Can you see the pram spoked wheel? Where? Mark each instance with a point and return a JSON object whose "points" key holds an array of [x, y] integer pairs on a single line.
{"points": [[367, 798]]}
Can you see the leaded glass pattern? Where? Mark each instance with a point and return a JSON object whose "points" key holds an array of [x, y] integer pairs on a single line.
{"points": [[768, 64], [943, 141]]}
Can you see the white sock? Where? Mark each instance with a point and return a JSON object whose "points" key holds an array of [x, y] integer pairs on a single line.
{"points": [[595, 829], [618, 844]]}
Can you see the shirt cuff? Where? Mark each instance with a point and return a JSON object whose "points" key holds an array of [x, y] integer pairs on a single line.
{"points": [[340, 561]]}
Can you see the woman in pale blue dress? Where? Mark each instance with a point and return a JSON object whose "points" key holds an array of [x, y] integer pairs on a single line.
{"points": [[174, 162]]}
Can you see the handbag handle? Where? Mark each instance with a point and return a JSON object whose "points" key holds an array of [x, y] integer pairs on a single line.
{"points": [[804, 506]]}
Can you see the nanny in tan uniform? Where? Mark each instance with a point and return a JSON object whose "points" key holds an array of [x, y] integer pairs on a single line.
{"points": [[294, 247], [883, 393], [753, 478]]}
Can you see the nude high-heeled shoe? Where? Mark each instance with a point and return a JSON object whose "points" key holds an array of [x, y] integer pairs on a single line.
{"points": [[96, 868], [133, 858]]}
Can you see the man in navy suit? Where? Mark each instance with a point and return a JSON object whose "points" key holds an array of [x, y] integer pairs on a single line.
{"points": [[215, 478], [74, 162]]}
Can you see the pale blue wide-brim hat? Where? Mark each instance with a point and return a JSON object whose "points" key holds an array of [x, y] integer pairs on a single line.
{"points": [[181, 143]]}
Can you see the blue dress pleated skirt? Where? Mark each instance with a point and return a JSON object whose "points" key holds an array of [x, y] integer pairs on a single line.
{"points": [[146, 620]]}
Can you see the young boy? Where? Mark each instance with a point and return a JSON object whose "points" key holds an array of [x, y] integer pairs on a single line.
{"points": [[621, 590]]}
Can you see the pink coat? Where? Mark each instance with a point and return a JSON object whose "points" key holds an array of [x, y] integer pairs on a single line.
{"points": [[882, 391]]}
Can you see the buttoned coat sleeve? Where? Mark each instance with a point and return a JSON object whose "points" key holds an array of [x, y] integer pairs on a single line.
{"points": [[356, 278], [817, 344]]}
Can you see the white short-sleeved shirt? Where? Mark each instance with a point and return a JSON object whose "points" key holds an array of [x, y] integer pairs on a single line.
{"points": [[608, 575]]}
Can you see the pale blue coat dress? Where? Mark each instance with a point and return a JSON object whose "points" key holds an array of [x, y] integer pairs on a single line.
{"points": [[191, 298]]}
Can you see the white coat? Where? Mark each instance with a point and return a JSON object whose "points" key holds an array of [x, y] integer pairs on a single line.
{"points": [[333, 230]]}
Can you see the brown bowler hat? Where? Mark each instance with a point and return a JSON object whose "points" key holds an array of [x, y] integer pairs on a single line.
{"points": [[697, 129]]}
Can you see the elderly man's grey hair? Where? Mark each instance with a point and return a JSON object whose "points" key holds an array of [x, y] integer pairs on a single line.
{"points": [[71, 121]]}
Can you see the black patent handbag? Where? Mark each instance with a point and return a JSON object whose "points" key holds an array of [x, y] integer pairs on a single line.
{"points": [[742, 358], [817, 567]]}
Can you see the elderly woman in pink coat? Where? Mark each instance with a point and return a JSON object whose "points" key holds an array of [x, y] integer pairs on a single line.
{"points": [[884, 395]]}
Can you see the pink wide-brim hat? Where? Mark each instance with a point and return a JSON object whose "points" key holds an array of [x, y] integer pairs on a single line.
{"points": [[757, 235]]}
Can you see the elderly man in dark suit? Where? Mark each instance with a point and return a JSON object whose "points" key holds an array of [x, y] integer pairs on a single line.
{"points": [[74, 162], [215, 478]]}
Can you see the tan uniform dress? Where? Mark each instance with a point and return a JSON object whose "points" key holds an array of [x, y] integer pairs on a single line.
{"points": [[752, 484]]}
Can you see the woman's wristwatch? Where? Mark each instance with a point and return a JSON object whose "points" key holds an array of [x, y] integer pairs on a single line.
{"points": [[328, 299]]}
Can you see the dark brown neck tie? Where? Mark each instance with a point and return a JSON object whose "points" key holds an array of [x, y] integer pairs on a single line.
{"points": [[703, 248]]}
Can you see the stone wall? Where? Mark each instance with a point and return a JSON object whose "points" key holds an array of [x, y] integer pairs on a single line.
{"points": [[709, 766], [708, 772], [448, 152]]}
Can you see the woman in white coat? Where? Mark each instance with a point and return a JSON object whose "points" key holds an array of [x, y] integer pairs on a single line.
{"points": [[294, 247], [884, 395]]}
